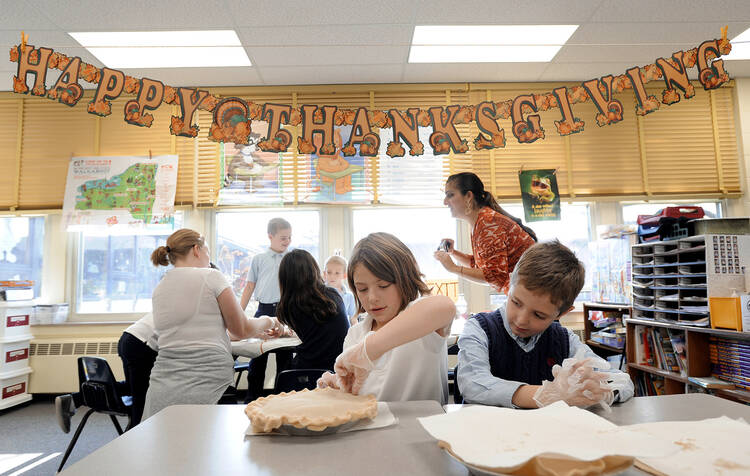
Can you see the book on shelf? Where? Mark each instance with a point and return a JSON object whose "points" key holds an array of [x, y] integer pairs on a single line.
{"points": [[647, 385], [710, 382], [667, 352], [677, 339]]}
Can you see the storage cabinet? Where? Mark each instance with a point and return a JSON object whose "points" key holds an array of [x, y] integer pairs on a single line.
{"points": [[697, 341], [673, 280]]}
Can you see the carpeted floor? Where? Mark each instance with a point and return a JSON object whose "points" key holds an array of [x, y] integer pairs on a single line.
{"points": [[32, 443]]}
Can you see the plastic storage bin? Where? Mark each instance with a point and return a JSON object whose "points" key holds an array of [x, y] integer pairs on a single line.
{"points": [[14, 387], [14, 353], [50, 313], [609, 338], [15, 319]]}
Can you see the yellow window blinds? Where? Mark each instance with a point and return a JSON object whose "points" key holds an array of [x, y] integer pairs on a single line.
{"points": [[687, 149]]}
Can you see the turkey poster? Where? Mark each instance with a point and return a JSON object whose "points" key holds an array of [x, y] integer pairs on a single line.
{"points": [[541, 199]]}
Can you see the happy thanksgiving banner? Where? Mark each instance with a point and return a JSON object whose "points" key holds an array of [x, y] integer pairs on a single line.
{"points": [[232, 116]]}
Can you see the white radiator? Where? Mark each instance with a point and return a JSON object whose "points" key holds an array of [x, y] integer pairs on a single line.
{"points": [[55, 362]]}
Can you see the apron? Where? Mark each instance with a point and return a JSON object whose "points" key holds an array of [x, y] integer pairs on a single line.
{"points": [[189, 376]]}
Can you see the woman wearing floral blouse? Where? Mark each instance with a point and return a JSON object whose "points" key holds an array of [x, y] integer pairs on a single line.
{"points": [[497, 239]]}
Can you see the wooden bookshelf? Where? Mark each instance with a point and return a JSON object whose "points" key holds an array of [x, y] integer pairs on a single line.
{"points": [[602, 349], [697, 349]]}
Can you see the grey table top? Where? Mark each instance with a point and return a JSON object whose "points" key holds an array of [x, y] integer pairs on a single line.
{"points": [[208, 439]]}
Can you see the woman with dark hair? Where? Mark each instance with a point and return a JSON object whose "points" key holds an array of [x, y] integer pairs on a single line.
{"points": [[498, 239], [314, 311]]}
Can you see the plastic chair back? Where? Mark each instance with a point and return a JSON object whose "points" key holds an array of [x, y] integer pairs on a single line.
{"points": [[99, 387], [297, 379]]}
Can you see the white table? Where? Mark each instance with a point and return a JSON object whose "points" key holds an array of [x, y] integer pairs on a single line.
{"points": [[254, 347], [209, 439]]}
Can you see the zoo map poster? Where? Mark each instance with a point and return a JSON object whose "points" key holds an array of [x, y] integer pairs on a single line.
{"points": [[541, 199], [127, 191]]}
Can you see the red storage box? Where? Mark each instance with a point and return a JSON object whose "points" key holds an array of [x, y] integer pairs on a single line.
{"points": [[688, 211]]}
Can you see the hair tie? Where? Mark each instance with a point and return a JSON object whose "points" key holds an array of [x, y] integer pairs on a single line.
{"points": [[169, 250]]}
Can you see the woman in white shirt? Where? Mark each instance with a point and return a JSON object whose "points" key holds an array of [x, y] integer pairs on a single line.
{"points": [[193, 308]]}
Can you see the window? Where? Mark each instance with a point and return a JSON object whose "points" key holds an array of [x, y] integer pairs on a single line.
{"points": [[115, 272], [631, 211], [21, 249], [573, 230], [242, 235], [421, 229]]}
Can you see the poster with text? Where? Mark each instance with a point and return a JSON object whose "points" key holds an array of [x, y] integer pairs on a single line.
{"points": [[132, 191], [541, 199], [250, 176]]}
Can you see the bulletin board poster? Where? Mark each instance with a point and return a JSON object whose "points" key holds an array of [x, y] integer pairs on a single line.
{"points": [[336, 177], [541, 199], [134, 191], [250, 176]]}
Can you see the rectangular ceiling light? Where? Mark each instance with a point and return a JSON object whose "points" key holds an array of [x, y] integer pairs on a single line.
{"points": [[740, 51], [488, 43], [165, 49]]}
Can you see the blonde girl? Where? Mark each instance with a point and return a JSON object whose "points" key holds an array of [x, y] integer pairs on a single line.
{"points": [[334, 275]]}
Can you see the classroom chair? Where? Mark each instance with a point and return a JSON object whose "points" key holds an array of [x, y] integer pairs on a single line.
{"points": [[297, 379], [98, 389], [240, 367]]}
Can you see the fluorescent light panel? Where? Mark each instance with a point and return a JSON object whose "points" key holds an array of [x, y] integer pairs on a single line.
{"points": [[165, 49], [740, 51], [488, 43]]}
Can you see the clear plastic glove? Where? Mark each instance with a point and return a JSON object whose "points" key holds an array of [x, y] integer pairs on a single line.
{"points": [[577, 384], [352, 367], [328, 380], [273, 328]]}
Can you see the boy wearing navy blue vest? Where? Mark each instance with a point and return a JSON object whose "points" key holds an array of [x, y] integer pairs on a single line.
{"points": [[505, 355]]}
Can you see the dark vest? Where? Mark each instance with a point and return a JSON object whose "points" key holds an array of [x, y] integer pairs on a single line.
{"points": [[508, 361]]}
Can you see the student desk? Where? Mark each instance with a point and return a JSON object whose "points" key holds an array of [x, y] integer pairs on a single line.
{"points": [[254, 347], [209, 439]]}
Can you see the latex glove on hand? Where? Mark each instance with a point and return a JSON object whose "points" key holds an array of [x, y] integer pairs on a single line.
{"points": [[274, 329], [352, 367], [328, 380], [577, 384]]}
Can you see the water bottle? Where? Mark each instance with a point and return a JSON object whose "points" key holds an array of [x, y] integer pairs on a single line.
{"points": [[462, 307]]}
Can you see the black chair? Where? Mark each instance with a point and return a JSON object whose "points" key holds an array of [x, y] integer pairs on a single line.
{"points": [[299, 379], [457, 397], [98, 389], [240, 367]]}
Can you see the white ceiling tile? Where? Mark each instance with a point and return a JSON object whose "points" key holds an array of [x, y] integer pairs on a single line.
{"points": [[380, 35], [681, 35], [321, 12], [582, 71], [204, 77], [326, 55], [136, 15], [473, 72], [507, 12], [660, 11], [24, 14], [385, 73], [637, 54]]}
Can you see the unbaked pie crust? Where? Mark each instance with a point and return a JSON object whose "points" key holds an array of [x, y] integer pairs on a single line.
{"points": [[314, 410]]}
